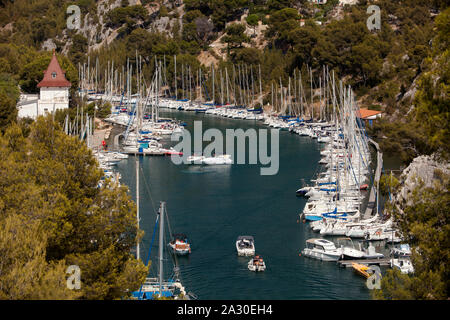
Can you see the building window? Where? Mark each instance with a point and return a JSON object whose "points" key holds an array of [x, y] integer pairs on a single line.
{"points": [[54, 75]]}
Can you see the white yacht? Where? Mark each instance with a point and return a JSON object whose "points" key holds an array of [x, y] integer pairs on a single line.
{"points": [[321, 249], [220, 159], [245, 246], [348, 250]]}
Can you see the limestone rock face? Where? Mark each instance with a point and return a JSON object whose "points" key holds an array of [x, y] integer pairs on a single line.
{"points": [[424, 169]]}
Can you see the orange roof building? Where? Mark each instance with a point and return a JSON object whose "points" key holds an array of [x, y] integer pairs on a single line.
{"points": [[53, 95], [367, 114], [54, 76]]}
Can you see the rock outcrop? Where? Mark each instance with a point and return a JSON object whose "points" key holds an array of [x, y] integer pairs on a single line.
{"points": [[423, 169]]}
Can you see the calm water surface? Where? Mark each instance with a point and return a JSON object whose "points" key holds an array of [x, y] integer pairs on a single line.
{"points": [[213, 205]]}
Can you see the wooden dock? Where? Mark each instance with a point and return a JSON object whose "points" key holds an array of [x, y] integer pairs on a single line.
{"points": [[379, 262]]}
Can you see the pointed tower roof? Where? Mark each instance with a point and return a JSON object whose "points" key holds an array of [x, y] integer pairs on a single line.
{"points": [[54, 76]]}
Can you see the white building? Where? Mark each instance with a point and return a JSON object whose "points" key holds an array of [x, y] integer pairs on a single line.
{"points": [[54, 93]]}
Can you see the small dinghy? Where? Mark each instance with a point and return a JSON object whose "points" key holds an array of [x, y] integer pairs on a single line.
{"points": [[364, 187], [361, 269]]}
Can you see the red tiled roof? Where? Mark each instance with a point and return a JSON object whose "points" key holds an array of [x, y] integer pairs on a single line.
{"points": [[54, 76], [364, 113]]}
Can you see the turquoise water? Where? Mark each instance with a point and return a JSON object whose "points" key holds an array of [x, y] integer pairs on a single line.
{"points": [[213, 205]]}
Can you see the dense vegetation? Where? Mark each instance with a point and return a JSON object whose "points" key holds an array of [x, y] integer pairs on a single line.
{"points": [[52, 215], [425, 129], [426, 226]]}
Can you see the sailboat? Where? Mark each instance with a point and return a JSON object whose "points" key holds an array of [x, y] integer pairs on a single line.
{"points": [[157, 287]]}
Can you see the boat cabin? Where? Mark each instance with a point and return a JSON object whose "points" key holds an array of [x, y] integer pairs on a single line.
{"points": [[320, 244]]}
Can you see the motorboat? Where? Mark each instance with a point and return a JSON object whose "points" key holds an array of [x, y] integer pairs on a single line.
{"points": [[257, 264], [348, 250], [402, 251], [370, 253], [321, 249], [245, 246], [220, 159], [216, 160], [180, 244], [303, 191], [403, 264], [197, 159]]}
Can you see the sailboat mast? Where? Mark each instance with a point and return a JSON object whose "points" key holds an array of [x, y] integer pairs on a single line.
{"points": [[138, 255], [213, 88], [226, 82], [161, 245], [260, 86], [175, 75]]}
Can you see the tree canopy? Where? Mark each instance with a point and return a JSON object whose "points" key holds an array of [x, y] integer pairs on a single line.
{"points": [[425, 226], [49, 195]]}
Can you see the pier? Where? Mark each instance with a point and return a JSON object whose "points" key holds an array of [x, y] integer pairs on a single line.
{"points": [[372, 204], [385, 262]]}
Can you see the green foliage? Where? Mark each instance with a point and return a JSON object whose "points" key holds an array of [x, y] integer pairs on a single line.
{"points": [[404, 139], [78, 50], [220, 11], [247, 56], [49, 196], [9, 96], [425, 224], [388, 184], [104, 110], [235, 35], [433, 94], [252, 19], [425, 130], [128, 15], [24, 272], [163, 12], [279, 4]]}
